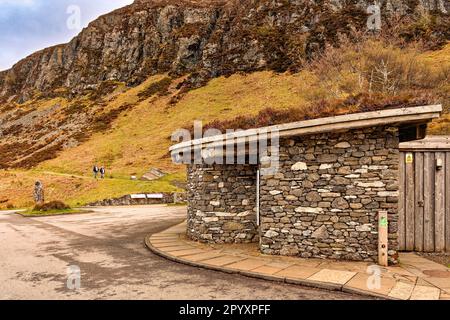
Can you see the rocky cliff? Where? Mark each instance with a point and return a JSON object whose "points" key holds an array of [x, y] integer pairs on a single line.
{"points": [[202, 38], [59, 97]]}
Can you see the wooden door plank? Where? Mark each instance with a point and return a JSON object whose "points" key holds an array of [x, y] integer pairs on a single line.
{"points": [[439, 204], [418, 212], [428, 210], [401, 205], [410, 205], [447, 202]]}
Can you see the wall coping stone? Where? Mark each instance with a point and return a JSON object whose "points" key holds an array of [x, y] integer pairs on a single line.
{"points": [[350, 121]]}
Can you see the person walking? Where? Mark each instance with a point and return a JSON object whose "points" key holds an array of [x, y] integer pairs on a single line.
{"points": [[95, 170], [102, 172]]}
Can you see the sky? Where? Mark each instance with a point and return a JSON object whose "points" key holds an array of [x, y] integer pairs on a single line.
{"points": [[27, 26]]}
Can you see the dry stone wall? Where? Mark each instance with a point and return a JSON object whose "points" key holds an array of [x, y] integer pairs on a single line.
{"points": [[222, 200], [324, 200]]}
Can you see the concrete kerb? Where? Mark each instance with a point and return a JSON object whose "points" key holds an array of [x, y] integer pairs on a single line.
{"points": [[366, 293], [315, 284], [250, 274], [162, 254]]}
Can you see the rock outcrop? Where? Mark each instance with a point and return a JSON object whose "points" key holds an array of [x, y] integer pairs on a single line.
{"points": [[190, 41], [203, 38]]}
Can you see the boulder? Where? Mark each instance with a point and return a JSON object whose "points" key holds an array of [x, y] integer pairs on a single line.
{"points": [[299, 166], [320, 233], [153, 174]]}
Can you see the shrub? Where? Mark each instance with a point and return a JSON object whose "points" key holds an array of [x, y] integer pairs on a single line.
{"points": [[52, 205], [371, 66], [75, 108], [160, 87], [432, 29], [323, 108], [105, 88], [103, 121]]}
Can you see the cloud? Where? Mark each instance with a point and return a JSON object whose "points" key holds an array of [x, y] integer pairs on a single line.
{"points": [[17, 2], [30, 25]]}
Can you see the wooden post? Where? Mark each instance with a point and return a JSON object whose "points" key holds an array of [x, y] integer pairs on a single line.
{"points": [[383, 238], [439, 203]]}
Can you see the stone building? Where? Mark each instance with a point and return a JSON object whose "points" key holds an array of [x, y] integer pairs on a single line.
{"points": [[321, 199]]}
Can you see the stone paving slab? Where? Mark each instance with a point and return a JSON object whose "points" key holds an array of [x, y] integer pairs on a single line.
{"points": [[425, 293], [280, 265], [362, 282], [445, 296], [402, 290], [172, 243], [203, 256], [248, 264], [165, 236], [423, 282], [175, 248], [416, 278], [187, 252], [443, 283], [346, 266], [267, 270], [297, 272], [222, 260], [333, 276]]}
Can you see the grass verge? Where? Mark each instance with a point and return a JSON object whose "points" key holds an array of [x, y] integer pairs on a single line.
{"points": [[34, 213], [16, 187]]}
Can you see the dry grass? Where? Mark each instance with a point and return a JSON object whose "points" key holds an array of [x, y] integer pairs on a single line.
{"points": [[160, 87], [320, 109], [140, 139], [363, 76]]}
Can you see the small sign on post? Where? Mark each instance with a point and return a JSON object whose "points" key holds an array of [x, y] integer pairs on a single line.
{"points": [[409, 159], [383, 238], [155, 196], [138, 196]]}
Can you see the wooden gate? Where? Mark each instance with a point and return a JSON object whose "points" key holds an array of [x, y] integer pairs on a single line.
{"points": [[424, 199]]}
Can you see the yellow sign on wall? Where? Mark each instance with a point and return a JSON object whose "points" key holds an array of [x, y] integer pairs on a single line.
{"points": [[409, 158]]}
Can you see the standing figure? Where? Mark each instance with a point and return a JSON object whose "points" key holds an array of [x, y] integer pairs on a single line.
{"points": [[102, 172], [95, 170], [39, 192]]}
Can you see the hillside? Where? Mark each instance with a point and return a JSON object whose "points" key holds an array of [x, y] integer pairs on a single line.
{"points": [[155, 67], [206, 39]]}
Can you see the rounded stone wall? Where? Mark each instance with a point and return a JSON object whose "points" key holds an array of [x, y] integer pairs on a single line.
{"points": [[222, 203]]}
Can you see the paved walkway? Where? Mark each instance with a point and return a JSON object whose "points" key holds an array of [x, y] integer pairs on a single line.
{"points": [[416, 278]]}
